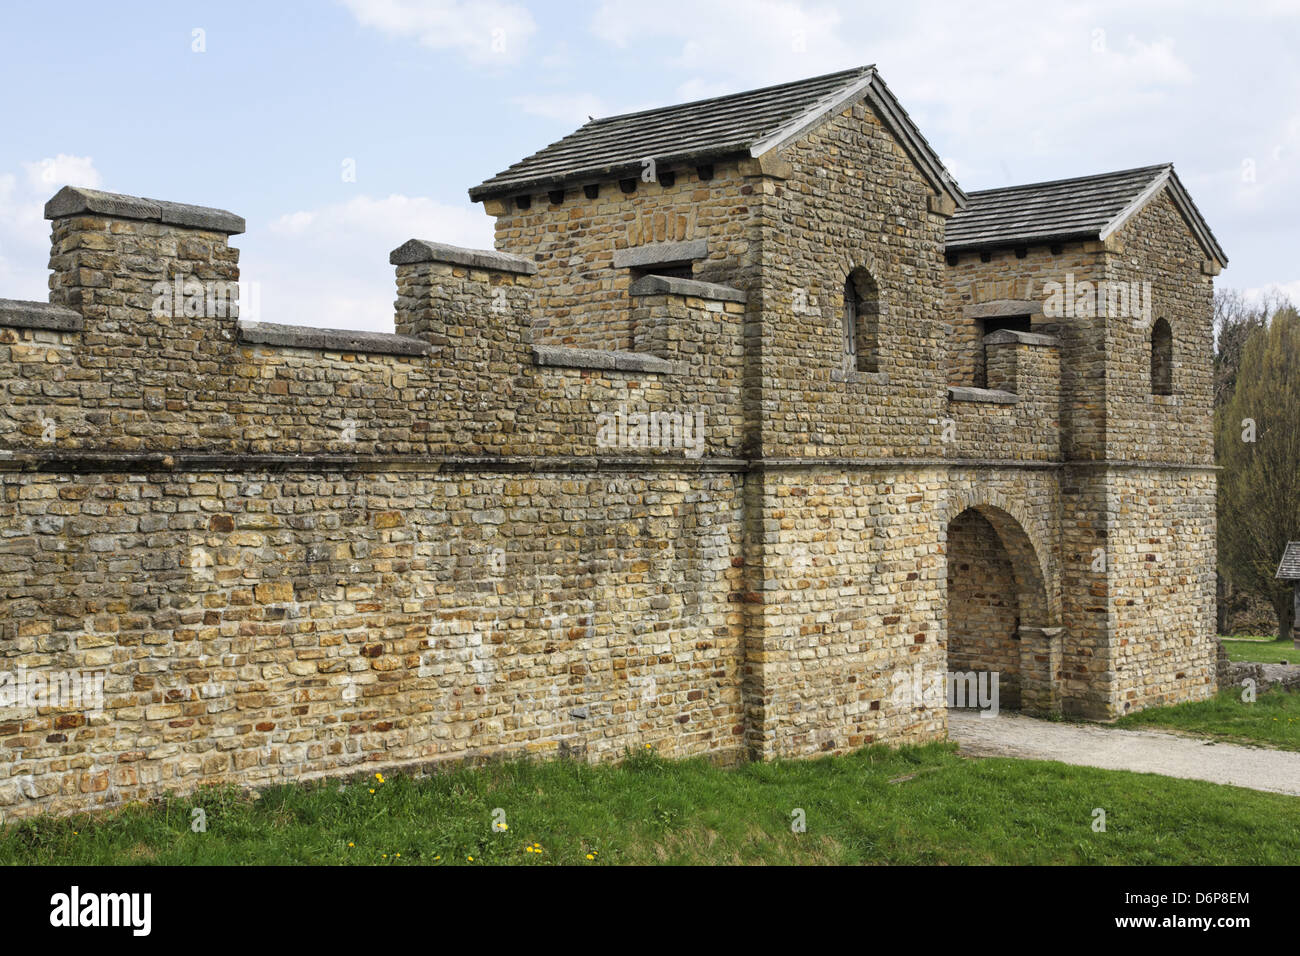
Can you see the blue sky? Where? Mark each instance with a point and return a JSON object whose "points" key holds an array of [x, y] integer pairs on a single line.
{"points": [[260, 111]]}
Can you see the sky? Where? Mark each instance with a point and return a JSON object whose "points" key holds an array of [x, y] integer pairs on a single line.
{"points": [[341, 129]]}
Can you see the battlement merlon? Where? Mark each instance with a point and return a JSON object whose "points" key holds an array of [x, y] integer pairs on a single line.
{"points": [[475, 302], [121, 260], [676, 319]]}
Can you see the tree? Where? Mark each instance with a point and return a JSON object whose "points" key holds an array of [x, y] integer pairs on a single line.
{"points": [[1257, 444], [1235, 318]]}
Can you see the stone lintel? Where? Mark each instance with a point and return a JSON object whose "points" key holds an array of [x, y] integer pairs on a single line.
{"points": [[1011, 336], [77, 200], [559, 356], [1000, 308], [660, 253], [422, 250], [660, 285], [992, 396], [330, 340], [39, 315]]}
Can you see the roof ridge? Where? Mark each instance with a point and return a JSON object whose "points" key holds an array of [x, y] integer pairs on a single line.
{"points": [[737, 125], [857, 71], [1157, 167]]}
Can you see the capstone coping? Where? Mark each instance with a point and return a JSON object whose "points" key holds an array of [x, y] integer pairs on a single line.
{"points": [[1009, 336], [39, 315], [560, 356], [993, 396], [330, 340], [76, 200], [422, 250], [658, 285], [658, 253]]}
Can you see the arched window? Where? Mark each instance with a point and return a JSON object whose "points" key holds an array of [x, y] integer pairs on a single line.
{"points": [[861, 322], [1162, 358]]}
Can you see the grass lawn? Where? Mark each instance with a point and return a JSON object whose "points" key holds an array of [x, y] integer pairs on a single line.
{"points": [[1261, 650], [915, 805], [1273, 720]]}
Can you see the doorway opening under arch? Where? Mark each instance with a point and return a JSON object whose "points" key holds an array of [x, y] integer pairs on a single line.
{"points": [[999, 639]]}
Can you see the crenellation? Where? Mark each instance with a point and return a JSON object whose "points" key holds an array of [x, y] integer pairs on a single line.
{"points": [[739, 456]]}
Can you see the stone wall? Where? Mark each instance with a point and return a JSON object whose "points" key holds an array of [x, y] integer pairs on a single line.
{"points": [[1161, 550], [849, 197], [583, 300], [846, 599], [462, 377], [1155, 247], [563, 509], [1010, 283], [256, 627]]}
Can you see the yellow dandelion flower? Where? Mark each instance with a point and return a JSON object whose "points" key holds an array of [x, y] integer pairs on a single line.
{"points": [[398, 855], [385, 856], [351, 844], [591, 856], [470, 858], [372, 789]]}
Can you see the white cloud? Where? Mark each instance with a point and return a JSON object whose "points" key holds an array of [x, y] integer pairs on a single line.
{"points": [[484, 30], [974, 83], [24, 232], [563, 107], [328, 267], [53, 174]]}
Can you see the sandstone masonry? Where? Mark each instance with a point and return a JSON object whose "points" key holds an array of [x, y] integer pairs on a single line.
{"points": [[715, 459]]}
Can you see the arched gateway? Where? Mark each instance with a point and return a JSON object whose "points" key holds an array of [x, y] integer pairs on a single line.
{"points": [[1000, 619]]}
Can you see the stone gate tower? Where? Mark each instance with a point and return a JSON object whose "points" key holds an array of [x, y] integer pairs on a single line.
{"points": [[751, 428]]}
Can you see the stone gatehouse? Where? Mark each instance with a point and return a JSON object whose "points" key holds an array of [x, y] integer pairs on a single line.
{"points": [[752, 416]]}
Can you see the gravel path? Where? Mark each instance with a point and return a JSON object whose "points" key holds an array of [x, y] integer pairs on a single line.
{"points": [[1144, 751]]}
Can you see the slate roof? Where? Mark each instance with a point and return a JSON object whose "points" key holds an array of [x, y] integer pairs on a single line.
{"points": [[742, 124], [1086, 207], [1289, 568]]}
